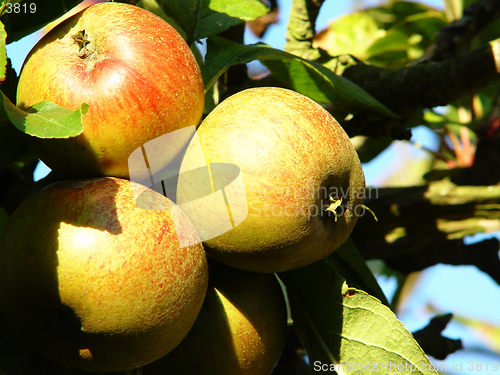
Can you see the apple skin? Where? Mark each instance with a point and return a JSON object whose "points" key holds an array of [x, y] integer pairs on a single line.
{"points": [[241, 328], [139, 77], [292, 155], [91, 281]]}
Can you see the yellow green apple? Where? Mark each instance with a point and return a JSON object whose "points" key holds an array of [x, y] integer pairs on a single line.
{"points": [[95, 279], [240, 330], [303, 181]]}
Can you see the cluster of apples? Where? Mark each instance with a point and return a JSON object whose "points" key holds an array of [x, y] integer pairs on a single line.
{"points": [[95, 277]]}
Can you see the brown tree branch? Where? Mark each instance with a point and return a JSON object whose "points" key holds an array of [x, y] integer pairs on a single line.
{"points": [[301, 28], [436, 80], [433, 342], [424, 225], [430, 84], [454, 39]]}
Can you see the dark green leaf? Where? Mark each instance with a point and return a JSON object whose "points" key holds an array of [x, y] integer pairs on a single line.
{"points": [[12, 145], [45, 120], [33, 15], [4, 217], [202, 18], [372, 147], [304, 76], [342, 325], [353, 268]]}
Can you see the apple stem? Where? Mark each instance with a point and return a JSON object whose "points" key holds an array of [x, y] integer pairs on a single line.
{"points": [[370, 211]]}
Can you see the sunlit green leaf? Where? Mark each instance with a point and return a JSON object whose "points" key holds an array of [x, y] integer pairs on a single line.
{"points": [[202, 18], [346, 326], [394, 11], [45, 120], [407, 40], [352, 34]]}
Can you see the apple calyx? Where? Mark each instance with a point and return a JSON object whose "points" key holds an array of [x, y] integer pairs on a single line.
{"points": [[81, 38], [334, 204]]}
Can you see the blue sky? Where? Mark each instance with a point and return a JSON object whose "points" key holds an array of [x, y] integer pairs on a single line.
{"points": [[462, 290]]}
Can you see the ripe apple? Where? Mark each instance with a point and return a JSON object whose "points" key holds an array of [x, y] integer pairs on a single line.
{"points": [[240, 330], [135, 71], [93, 281], [303, 180]]}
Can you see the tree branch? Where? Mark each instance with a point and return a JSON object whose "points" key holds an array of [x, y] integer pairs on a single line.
{"points": [[435, 80], [433, 342], [301, 28], [422, 226], [430, 84], [454, 39]]}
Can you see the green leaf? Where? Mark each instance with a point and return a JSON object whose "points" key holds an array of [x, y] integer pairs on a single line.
{"points": [[4, 217], [31, 18], [12, 145], [394, 40], [346, 326], [372, 147], [202, 18], [45, 120], [409, 38], [352, 34], [395, 11], [3, 53], [355, 271], [304, 76]]}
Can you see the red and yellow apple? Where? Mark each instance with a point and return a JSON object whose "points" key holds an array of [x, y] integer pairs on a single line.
{"points": [[241, 328], [138, 76], [94, 281], [303, 181]]}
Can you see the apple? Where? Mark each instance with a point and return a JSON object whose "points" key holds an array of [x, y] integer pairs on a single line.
{"points": [[303, 181], [241, 328], [94, 281], [135, 71]]}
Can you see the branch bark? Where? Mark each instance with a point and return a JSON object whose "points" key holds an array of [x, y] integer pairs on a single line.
{"points": [[429, 84], [455, 38], [433, 342], [438, 79], [422, 226], [301, 28]]}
